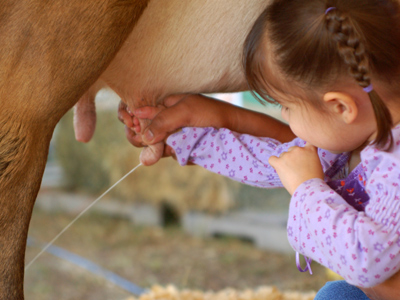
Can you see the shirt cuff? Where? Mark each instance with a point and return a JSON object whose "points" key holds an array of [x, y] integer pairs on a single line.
{"points": [[184, 141]]}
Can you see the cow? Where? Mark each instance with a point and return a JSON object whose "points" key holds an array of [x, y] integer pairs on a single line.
{"points": [[54, 53], [157, 60]]}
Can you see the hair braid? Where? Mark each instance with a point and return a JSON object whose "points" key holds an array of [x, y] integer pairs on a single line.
{"points": [[349, 46], [352, 50]]}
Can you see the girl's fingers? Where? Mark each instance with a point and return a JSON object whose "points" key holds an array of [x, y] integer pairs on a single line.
{"points": [[290, 149], [137, 128], [134, 139], [148, 112], [167, 121], [273, 161], [123, 114]]}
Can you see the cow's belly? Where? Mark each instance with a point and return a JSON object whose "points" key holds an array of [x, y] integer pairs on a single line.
{"points": [[176, 48]]}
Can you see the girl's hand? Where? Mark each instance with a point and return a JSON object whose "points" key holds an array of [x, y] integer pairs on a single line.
{"points": [[135, 123], [126, 117], [150, 125], [185, 110], [297, 165], [150, 153]]}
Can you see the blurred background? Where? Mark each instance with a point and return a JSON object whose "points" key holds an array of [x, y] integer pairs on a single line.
{"points": [[162, 225]]}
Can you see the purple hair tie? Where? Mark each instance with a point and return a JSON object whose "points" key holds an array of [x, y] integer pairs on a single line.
{"points": [[368, 89], [308, 262], [329, 9]]}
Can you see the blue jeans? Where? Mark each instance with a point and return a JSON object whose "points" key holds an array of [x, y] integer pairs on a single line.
{"points": [[340, 290]]}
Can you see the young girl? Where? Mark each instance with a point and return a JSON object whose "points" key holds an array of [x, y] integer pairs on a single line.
{"points": [[334, 67]]}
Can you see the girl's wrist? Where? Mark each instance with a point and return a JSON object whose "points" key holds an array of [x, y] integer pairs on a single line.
{"points": [[225, 116]]}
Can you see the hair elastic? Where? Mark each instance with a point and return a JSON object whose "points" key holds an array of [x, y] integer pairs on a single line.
{"points": [[368, 89], [329, 9]]}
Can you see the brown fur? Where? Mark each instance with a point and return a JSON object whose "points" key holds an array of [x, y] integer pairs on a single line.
{"points": [[52, 51], [176, 48]]}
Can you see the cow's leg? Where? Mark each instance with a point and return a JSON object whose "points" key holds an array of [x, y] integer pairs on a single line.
{"points": [[51, 52]]}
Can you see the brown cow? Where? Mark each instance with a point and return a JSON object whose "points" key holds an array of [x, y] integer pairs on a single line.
{"points": [[175, 48], [52, 54], [54, 51]]}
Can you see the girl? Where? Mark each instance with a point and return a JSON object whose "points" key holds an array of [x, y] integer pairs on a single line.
{"points": [[333, 66]]}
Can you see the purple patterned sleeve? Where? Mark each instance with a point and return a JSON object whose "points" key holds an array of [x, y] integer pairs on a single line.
{"points": [[363, 247], [240, 157]]}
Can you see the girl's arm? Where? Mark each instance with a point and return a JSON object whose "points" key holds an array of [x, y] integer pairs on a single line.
{"points": [[201, 111], [361, 246], [240, 157]]}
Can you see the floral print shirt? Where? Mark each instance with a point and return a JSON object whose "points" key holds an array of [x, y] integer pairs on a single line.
{"points": [[347, 222]]}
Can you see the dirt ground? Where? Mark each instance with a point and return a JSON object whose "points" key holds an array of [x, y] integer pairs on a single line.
{"points": [[148, 256]]}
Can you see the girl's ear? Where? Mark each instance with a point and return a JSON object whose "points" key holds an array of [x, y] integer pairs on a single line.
{"points": [[342, 105]]}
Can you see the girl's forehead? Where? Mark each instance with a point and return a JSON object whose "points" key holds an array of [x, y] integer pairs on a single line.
{"points": [[276, 83], [281, 87], [278, 86]]}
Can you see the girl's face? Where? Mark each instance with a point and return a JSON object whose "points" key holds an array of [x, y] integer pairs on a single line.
{"points": [[317, 124], [310, 125], [324, 129]]}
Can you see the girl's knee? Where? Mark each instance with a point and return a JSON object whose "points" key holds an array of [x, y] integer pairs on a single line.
{"points": [[340, 290]]}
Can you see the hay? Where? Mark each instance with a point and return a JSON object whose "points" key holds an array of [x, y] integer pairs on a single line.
{"points": [[262, 293]]}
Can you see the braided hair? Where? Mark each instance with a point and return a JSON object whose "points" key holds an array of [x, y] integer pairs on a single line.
{"points": [[351, 48], [317, 42]]}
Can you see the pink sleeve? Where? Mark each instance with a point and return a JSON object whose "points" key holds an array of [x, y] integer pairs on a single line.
{"points": [[240, 157]]}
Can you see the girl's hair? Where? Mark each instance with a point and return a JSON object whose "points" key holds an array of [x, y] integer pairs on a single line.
{"points": [[317, 42]]}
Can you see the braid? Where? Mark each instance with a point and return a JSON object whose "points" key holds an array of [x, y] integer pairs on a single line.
{"points": [[349, 46], [352, 50]]}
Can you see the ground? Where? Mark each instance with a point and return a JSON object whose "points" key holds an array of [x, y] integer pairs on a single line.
{"points": [[148, 256]]}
